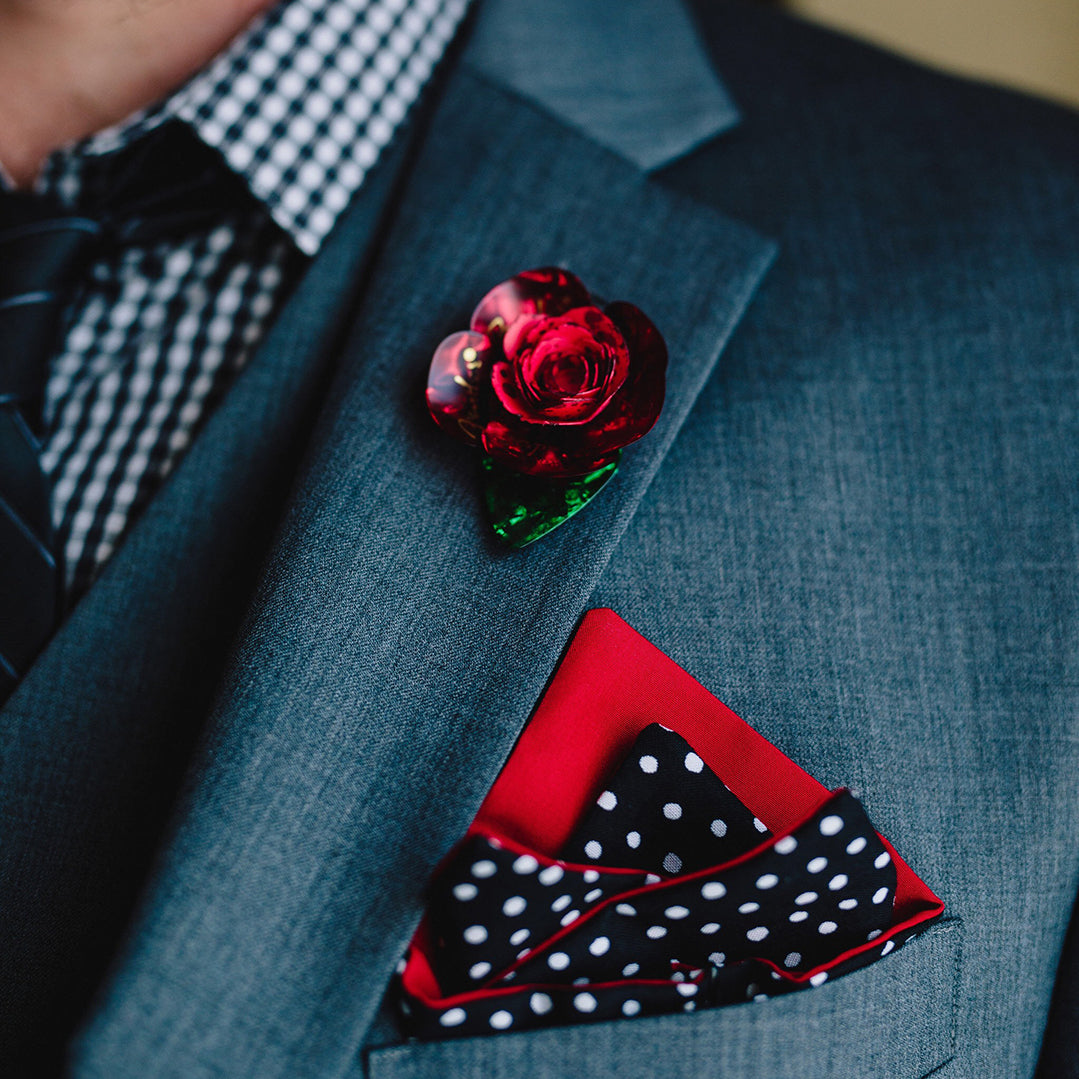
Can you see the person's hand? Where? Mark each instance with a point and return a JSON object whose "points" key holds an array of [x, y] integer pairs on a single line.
{"points": [[72, 67]]}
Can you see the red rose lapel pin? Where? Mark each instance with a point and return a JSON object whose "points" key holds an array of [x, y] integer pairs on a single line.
{"points": [[551, 385]]}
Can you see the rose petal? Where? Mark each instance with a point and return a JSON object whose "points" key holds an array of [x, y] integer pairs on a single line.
{"points": [[512, 447], [634, 409], [547, 290], [560, 370], [455, 384]]}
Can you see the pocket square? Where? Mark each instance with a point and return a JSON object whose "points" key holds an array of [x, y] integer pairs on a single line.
{"points": [[644, 851]]}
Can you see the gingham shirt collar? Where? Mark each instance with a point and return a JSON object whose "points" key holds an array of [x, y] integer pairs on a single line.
{"points": [[302, 102]]}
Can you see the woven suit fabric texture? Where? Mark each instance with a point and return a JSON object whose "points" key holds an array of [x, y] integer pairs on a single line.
{"points": [[854, 524]]}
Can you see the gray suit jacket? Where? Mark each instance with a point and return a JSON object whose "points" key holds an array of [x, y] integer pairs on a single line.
{"points": [[224, 785]]}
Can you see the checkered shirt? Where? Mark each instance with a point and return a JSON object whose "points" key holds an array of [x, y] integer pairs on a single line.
{"points": [[300, 106]]}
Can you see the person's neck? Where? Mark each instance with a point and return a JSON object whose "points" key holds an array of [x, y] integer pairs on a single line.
{"points": [[69, 68]]}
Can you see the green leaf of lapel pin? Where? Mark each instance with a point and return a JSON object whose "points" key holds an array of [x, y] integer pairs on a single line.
{"points": [[524, 508]]}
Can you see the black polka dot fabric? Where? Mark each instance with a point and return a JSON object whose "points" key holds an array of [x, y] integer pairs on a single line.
{"points": [[494, 906], [665, 812], [518, 940]]}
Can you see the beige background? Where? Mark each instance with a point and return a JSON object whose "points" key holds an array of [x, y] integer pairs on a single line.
{"points": [[1032, 44]]}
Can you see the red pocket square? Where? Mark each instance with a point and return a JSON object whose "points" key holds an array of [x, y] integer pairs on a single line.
{"points": [[531, 922]]}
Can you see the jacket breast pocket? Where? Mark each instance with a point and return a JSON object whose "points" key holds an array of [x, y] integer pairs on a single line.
{"points": [[894, 1019]]}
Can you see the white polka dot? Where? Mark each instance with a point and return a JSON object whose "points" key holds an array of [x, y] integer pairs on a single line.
{"points": [[831, 825], [633, 840], [799, 916], [837, 882], [630, 969], [792, 959], [561, 903], [717, 958], [686, 989], [848, 904], [889, 945], [760, 825], [880, 895], [827, 927], [713, 889], [882, 860], [806, 897], [656, 932], [600, 946], [584, 1002], [631, 1008], [676, 912], [786, 845], [817, 864], [593, 895], [593, 848], [749, 908], [475, 934], [856, 846], [570, 916], [540, 1003], [672, 811], [466, 891], [514, 906], [874, 933], [525, 864], [590, 876], [648, 763], [709, 928], [769, 880], [607, 800], [672, 863], [652, 878], [479, 970], [758, 933], [453, 1018], [501, 1020], [551, 875], [693, 763], [558, 961], [519, 937], [820, 978], [486, 868], [626, 909]]}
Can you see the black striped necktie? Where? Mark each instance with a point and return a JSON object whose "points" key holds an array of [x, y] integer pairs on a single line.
{"points": [[163, 187], [42, 256]]}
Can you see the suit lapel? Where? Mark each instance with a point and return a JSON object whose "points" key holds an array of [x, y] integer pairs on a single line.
{"points": [[94, 741], [394, 652]]}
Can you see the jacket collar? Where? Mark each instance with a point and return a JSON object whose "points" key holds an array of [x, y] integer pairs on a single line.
{"points": [[631, 75]]}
